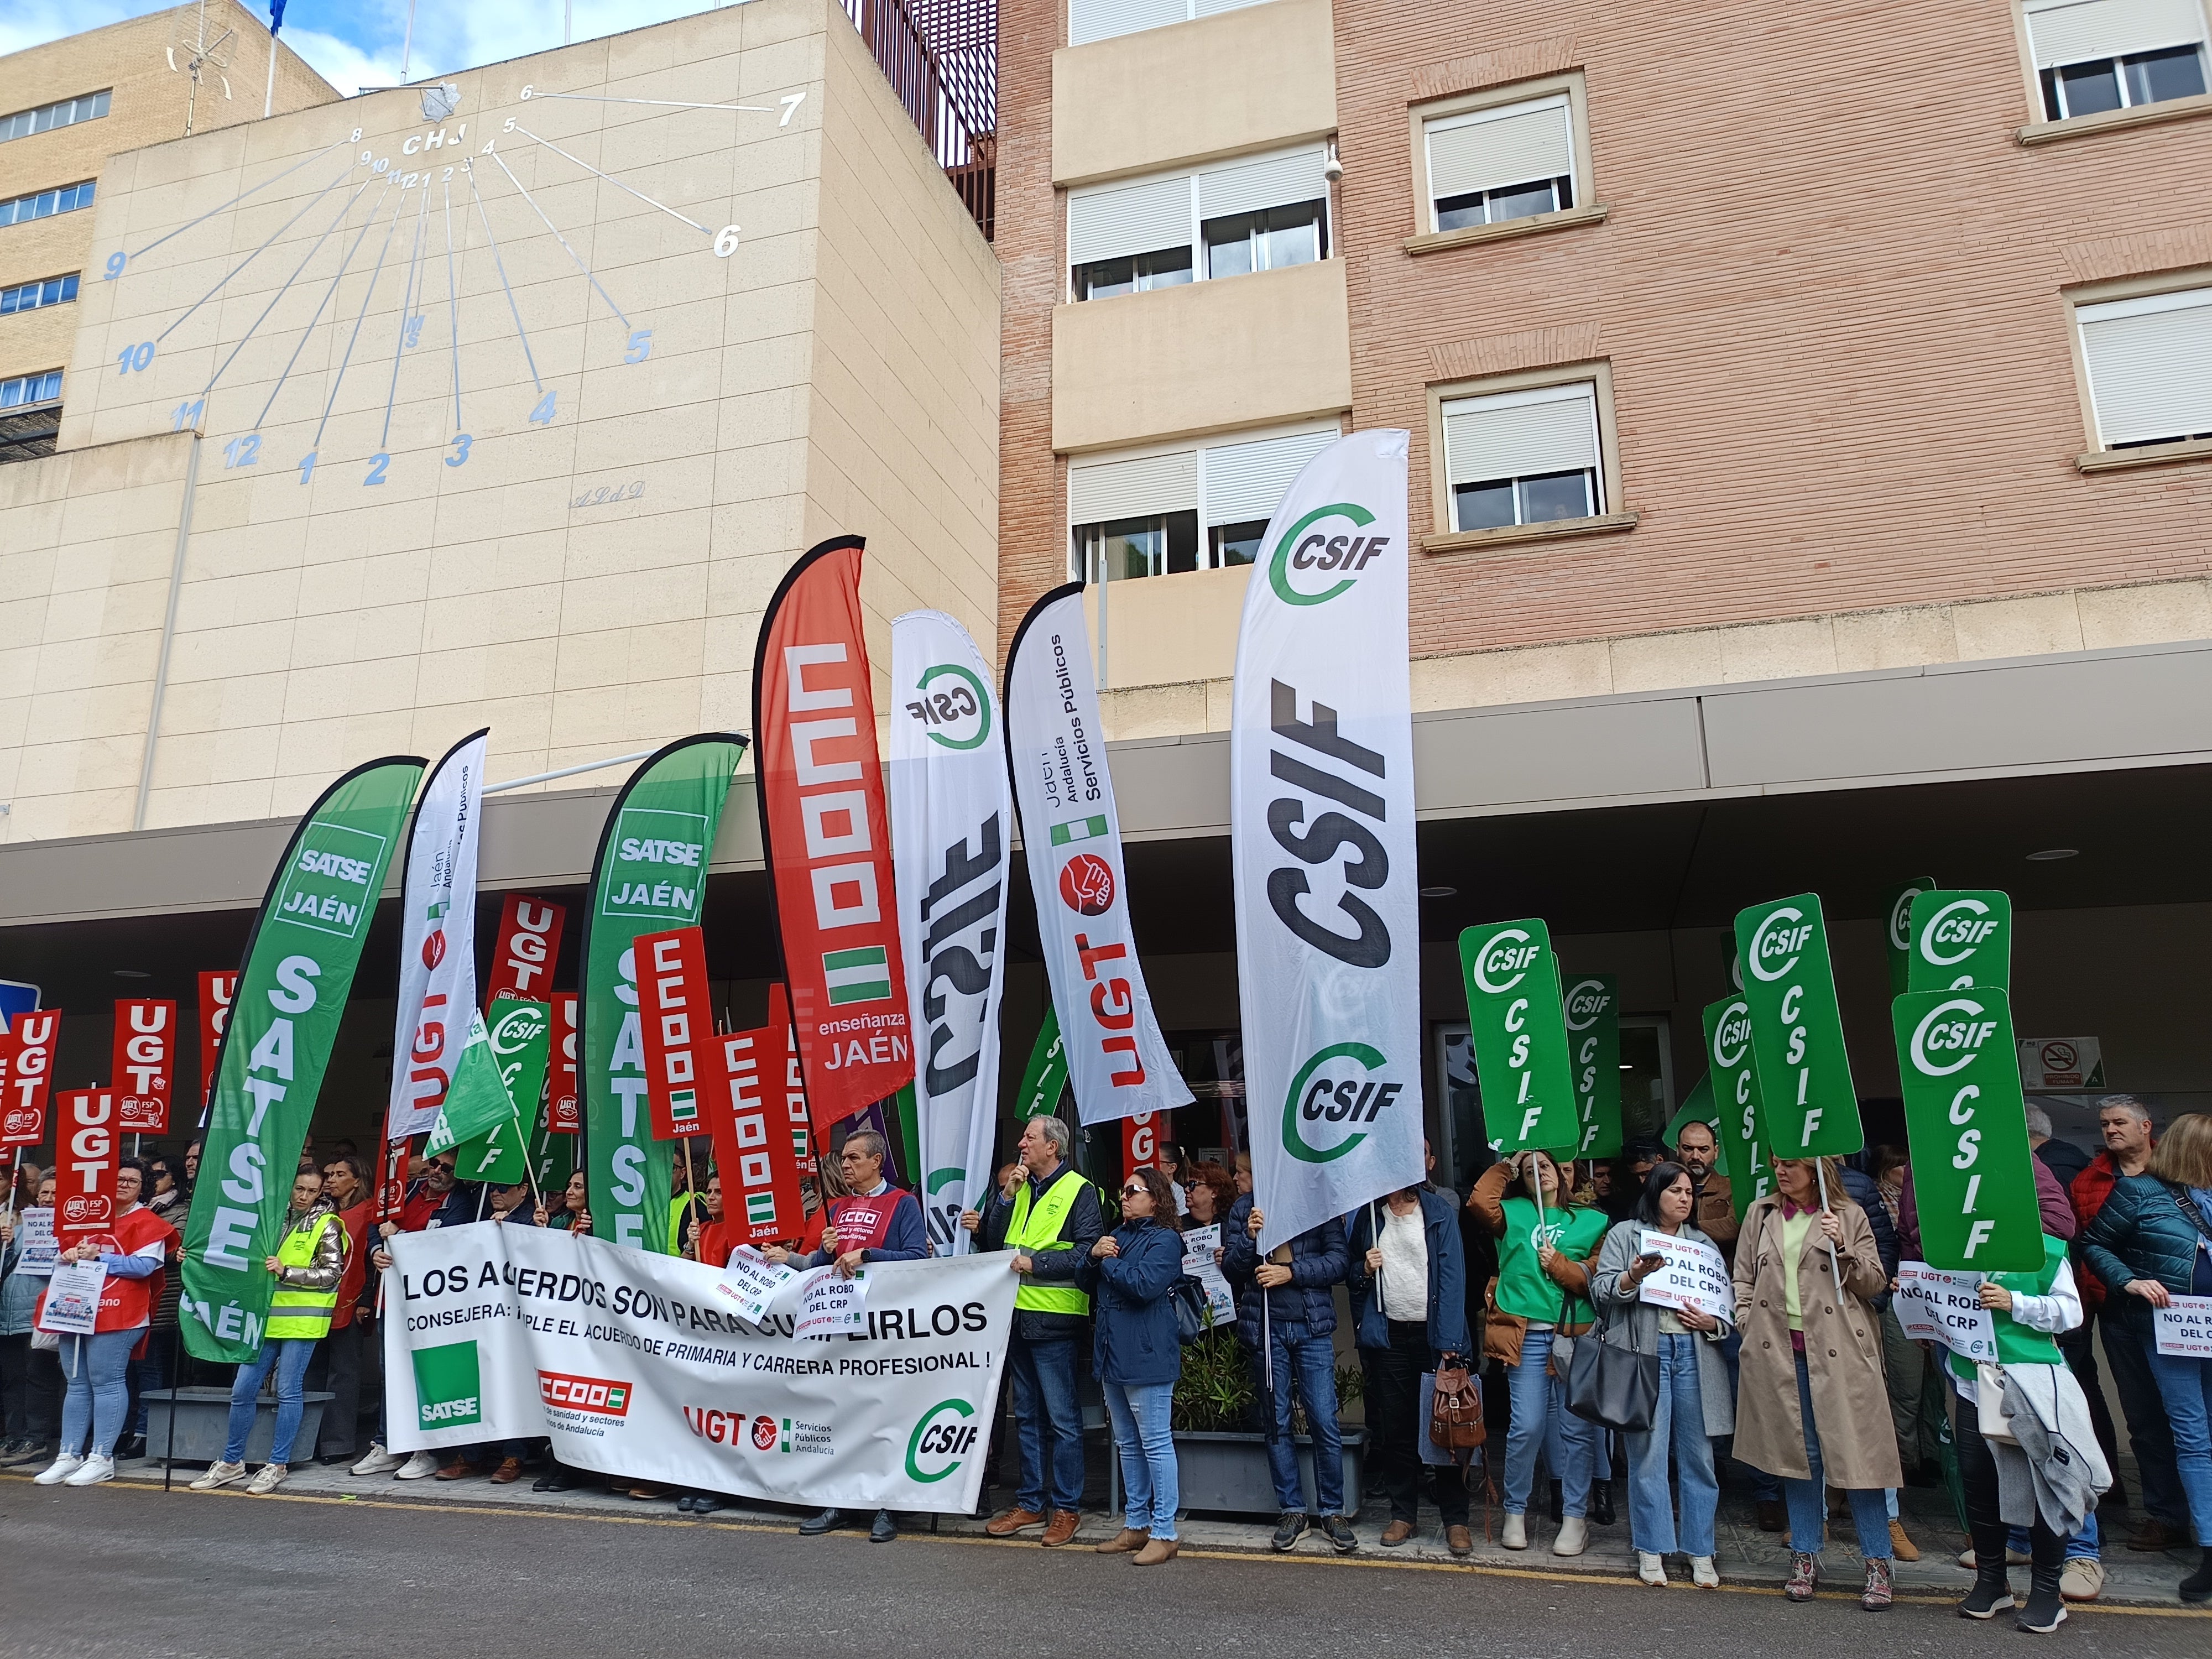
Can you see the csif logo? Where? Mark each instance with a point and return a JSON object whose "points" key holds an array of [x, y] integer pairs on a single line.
{"points": [[516, 1030], [953, 706], [1955, 931], [1320, 542], [937, 1437], [1732, 1036], [1586, 1000], [1504, 962], [1900, 918], [1334, 1087], [1776, 940], [1942, 1034]]}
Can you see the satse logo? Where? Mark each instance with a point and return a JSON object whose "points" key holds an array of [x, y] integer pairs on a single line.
{"points": [[448, 1386], [1304, 547]]}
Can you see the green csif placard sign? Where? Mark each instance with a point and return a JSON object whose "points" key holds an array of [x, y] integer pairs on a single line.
{"points": [[291, 995], [1961, 939], [520, 1041], [1045, 1078], [1967, 1124], [1897, 930], [1809, 1107], [1515, 1020], [1735, 1079], [1592, 1007]]}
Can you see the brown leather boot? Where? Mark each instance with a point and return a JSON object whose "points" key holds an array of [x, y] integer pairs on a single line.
{"points": [[508, 1472], [1014, 1521], [1459, 1540], [1158, 1550], [1124, 1542], [1061, 1530]]}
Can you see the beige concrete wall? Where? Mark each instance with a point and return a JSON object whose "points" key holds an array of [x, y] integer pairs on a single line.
{"points": [[321, 624], [1243, 80], [1163, 631], [1272, 346]]}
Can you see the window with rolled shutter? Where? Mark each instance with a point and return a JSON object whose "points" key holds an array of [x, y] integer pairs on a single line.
{"points": [[1270, 210], [1207, 504], [2071, 31], [1111, 221], [1514, 159], [2150, 363], [1523, 456]]}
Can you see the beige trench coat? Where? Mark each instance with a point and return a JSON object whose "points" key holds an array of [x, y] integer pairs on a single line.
{"points": [[1843, 1354]]}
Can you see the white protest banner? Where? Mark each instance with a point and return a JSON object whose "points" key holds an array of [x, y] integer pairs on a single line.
{"points": [[633, 1365], [1691, 1275], [1320, 830], [953, 820], [72, 1304], [2185, 1326], [830, 1305], [34, 1231], [1199, 1244], [752, 1283], [437, 1007], [1117, 1060], [1934, 1306]]}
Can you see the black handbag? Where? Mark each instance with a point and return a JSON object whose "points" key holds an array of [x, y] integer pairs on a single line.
{"points": [[1191, 1310], [1614, 1387]]}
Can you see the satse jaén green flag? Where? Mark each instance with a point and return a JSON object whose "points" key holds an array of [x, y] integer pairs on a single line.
{"points": [[291, 994]]}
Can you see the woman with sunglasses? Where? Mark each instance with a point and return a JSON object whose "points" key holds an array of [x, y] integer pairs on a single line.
{"points": [[1129, 1275]]}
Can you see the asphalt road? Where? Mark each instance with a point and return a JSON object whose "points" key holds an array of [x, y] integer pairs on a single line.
{"points": [[139, 1574]]}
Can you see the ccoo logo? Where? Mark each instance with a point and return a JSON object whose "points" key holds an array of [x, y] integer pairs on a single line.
{"points": [[1306, 547], [1086, 885]]}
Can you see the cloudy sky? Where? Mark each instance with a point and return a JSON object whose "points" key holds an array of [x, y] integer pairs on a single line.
{"points": [[356, 43]]}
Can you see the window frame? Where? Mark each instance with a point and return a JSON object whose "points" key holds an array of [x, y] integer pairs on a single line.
{"points": [[1195, 243], [2097, 456], [35, 403], [65, 277], [75, 120], [1569, 85], [12, 201], [1613, 513], [2043, 128], [1077, 565]]}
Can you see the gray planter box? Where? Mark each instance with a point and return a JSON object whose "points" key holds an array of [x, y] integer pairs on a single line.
{"points": [[1228, 1473], [202, 1426]]}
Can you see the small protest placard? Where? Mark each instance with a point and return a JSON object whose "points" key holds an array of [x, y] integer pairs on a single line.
{"points": [[2185, 1326], [751, 1282], [34, 1231], [1199, 1245], [72, 1304], [1934, 1306], [830, 1305], [1692, 1275]]}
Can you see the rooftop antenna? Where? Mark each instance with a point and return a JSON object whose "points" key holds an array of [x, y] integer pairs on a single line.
{"points": [[190, 37]]}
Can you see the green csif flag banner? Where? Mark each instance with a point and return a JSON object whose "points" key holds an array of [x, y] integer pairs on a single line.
{"points": [[1967, 1123], [1593, 1015], [520, 1041], [1698, 1106], [1807, 1105], [1046, 1075], [1897, 930], [477, 1102], [1961, 939], [650, 875], [292, 992], [1514, 1015], [1735, 1080]]}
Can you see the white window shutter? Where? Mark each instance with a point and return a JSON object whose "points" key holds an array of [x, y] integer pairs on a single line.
{"points": [[1102, 20], [1101, 491], [1247, 481], [1519, 434], [1272, 181], [1111, 221], [1208, 8], [1491, 149], [2076, 31], [2150, 366]]}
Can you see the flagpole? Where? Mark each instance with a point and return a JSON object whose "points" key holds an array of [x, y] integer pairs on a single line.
{"points": [[269, 96], [1821, 1173], [407, 45]]}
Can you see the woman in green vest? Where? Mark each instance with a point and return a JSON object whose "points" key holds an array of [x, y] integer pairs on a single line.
{"points": [[308, 1262], [2027, 1309]]}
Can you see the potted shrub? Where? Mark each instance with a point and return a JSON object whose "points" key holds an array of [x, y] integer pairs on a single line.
{"points": [[1222, 1459]]}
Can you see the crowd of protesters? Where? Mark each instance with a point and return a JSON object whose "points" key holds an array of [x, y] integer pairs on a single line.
{"points": [[1813, 1387]]}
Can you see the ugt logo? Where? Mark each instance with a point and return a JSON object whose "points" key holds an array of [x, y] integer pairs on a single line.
{"points": [[1335, 1089], [936, 1437], [1086, 885]]}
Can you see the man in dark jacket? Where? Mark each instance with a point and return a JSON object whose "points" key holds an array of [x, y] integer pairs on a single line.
{"points": [[1298, 1280], [1047, 1215]]}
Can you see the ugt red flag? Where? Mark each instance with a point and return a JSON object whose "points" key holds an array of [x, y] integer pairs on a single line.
{"points": [[826, 830], [88, 1155], [30, 1075], [145, 1066], [529, 945], [216, 990]]}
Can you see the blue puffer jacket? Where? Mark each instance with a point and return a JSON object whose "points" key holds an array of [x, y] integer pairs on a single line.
{"points": [[1136, 1343], [1317, 1263], [1447, 1280], [19, 1292], [2142, 1232]]}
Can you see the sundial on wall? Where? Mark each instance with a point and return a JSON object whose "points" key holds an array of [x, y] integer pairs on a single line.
{"points": [[415, 279]]}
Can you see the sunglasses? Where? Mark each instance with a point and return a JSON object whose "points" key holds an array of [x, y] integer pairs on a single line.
{"points": [[1133, 1189]]}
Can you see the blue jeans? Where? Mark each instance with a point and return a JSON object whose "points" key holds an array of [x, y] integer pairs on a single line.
{"points": [[98, 1369], [1808, 1498], [1149, 1481], [1044, 1406], [1542, 1422], [1308, 1362], [1681, 1423], [289, 1355], [2186, 1385], [2084, 1546]]}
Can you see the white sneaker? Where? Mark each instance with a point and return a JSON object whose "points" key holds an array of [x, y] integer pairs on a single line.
{"points": [[1574, 1536], [95, 1470], [379, 1462], [1517, 1532], [1703, 1574], [57, 1471], [417, 1467], [1650, 1569], [271, 1477], [219, 1474]]}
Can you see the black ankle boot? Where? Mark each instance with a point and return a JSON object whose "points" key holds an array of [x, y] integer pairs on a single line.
{"points": [[1992, 1591], [2046, 1610], [1602, 1503], [1558, 1503], [2197, 1587]]}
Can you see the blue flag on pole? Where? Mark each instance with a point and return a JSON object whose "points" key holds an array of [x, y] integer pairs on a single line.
{"points": [[276, 15]]}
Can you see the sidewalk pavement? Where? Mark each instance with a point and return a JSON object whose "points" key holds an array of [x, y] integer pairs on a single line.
{"points": [[1746, 1557]]}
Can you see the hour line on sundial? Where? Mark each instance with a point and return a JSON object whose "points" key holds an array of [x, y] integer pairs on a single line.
{"points": [[468, 169], [610, 178], [409, 324], [564, 240], [252, 257], [344, 264], [286, 287], [117, 259], [790, 101], [360, 317]]}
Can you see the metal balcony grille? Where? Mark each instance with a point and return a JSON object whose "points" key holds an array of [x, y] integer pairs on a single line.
{"points": [[941, 58]]}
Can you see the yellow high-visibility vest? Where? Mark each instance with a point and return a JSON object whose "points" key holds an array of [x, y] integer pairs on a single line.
{"points": [[292, 1311], [1033, 1231]]}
